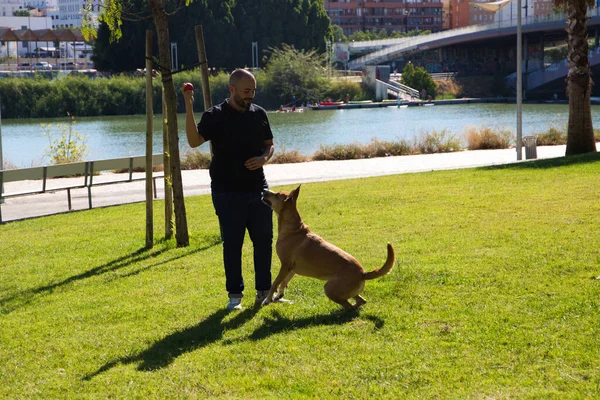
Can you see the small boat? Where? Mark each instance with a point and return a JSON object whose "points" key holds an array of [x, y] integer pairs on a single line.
{"points": [[331, 103], [291, 110]]}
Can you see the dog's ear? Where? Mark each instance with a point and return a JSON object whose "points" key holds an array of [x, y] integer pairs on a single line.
{"points": [[295, 193]]}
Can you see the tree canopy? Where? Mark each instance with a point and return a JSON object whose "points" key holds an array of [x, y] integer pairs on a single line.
{"points": [[296, 73], [230, 27], [419, 79]]}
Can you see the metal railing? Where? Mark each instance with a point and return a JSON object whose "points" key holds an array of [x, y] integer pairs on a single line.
{"points": [[394, 89], [394, 47]]}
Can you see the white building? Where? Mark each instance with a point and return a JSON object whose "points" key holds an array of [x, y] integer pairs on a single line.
{"points": [[40, 4], [8, 7], [70, 12]]}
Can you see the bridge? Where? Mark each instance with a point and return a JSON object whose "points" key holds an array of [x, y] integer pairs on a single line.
{"points": [[499, 38]]}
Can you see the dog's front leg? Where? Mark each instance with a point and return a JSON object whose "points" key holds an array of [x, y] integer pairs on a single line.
{"points": [[284, 285], [283, 273]]}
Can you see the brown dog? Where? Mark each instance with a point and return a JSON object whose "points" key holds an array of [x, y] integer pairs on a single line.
{"points": [[304, 253]]}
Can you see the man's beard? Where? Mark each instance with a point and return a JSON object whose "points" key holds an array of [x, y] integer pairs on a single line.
{"points": [[245, 103]]}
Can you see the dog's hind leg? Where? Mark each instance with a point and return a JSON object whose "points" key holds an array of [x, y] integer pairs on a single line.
{"points": [[332, 290], [359, 301]]}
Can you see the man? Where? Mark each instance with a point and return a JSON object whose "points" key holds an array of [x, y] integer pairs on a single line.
{"points": [[242, 143]]}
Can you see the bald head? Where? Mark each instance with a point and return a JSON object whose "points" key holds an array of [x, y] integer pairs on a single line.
{"points": [[242, 87], [239, 75]]}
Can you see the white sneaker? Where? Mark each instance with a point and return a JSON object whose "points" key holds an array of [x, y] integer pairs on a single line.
{"points": [[235, 303]]}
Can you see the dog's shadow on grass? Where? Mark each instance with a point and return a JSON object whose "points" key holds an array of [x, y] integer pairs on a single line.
{"points": [[277, 323]]}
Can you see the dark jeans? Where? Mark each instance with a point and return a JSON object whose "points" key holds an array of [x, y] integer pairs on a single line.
{"points": [[238, 212]]}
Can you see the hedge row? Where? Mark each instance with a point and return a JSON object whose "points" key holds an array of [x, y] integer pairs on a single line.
{"points": [[80, 95]]}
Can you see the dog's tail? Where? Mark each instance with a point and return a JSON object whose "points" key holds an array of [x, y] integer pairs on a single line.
{"points": [[387, 267]]}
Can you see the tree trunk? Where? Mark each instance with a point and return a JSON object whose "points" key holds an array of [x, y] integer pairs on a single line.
{"points": [[580, 133], [162, 30]]}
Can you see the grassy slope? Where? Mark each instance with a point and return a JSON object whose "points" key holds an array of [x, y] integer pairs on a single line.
{"points": [[494, 295]]}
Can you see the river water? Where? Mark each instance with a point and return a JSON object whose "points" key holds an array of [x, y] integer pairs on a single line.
{"points": [[24, 144]]}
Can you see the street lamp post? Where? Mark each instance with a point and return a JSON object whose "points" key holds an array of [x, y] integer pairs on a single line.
{"points": [[255, 57], [519, 73], [1, 159], [406, 14], [519, 83]]}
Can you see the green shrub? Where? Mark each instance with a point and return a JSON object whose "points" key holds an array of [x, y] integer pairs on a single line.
{"points": [[437, 142], [485, 138], [419, 79], [288, 157], [291, 72], [381, 148], [195, 159], [350, 151], [341, 87], [552, 137], [69, 147]]}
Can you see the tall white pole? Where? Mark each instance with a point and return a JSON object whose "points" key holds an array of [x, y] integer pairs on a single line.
{"points": [[1, 159], [519, 82]]}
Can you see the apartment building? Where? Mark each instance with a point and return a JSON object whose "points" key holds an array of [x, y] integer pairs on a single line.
{"points": [[433, 15], [466, 12], [70, 12], [8, 7], [391, 15]]}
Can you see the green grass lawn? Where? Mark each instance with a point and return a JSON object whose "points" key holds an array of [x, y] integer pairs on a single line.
{"points": [[495, 294]]}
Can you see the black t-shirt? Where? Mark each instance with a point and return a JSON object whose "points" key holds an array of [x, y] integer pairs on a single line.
{"points": [[236, 137]]}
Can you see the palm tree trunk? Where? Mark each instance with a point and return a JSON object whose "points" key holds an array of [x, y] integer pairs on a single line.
{"points": [[580, 133], [162, 30]]}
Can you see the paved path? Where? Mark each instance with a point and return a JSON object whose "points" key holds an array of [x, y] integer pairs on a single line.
{"points": [[197, 182]]}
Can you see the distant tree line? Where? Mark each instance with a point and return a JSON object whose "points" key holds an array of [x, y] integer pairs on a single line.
{"points": [[230, 27], [288, 73]]}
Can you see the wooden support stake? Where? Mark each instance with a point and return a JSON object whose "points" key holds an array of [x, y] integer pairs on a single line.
{"points": [[149, 131], [203, 71], [167, 176]]}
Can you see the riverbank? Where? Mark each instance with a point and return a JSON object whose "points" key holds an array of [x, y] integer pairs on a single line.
{"points": [[419, 103]]}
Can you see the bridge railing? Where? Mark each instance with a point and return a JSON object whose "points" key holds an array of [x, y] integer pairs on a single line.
{"points": [[395, 47], [394, 89], [405, 89]]}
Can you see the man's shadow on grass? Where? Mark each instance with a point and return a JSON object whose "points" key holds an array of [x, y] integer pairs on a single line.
{"points": [[163, 352], [13, 302]]}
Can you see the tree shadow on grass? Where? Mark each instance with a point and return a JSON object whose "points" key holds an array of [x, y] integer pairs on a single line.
{"points": [[550, 162], [163, 352], [11, 303]]}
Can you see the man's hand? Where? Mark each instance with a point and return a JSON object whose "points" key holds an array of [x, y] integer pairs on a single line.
{"points": [[255, 163], [188, 95]]}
